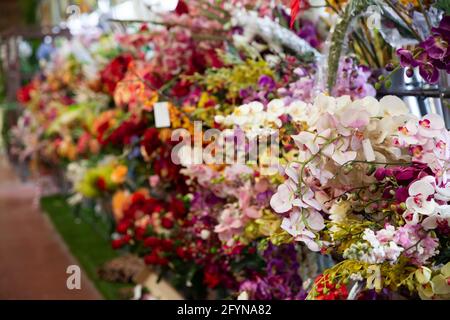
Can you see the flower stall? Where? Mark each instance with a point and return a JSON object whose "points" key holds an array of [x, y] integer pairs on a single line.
{"points": [[257, 149]]}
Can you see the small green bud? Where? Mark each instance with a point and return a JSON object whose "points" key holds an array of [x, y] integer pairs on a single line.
{"points": [[347, 168], [388, 84]]}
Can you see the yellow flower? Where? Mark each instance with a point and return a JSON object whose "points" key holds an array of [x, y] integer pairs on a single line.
{"points": [[374, 279], [436, 287], [440, 282], [268, 224], [338, 214], [119, 174], [415, 3], [335, 4], [67, 149], [204, 99], [423, 275]]}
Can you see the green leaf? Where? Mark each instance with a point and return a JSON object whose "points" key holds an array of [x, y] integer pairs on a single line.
{"points": [[443, 5]]}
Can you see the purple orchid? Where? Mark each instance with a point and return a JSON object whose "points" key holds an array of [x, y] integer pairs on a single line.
{"points": [[429, 72], [281, 280], [431, 55], [406, 58], [266, 83]]}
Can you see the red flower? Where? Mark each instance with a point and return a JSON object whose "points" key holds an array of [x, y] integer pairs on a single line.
{"points": [[167, 223], [120, 242], [139, 233], [327, 290], [138, 198], [176, 206], [211, 279], [183, 253], [101, 130], [150, 140], [117, 243], [125, 131], [181, 8], [83, 142], [181, 88], [151, 242], [123, 226], [24, 94], [154, 80], [126, 238], [151, 205], [101, 184], [166, 244], [151, 258], [155, 259], [296, 5], [114, 72], [67, 100]]}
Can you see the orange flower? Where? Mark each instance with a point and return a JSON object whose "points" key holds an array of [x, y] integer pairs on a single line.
{"points": [[67, 149], [102, 119], [119, 174], [120, 200]]}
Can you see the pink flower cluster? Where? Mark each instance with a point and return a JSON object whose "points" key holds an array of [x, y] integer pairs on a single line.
{"points": [[242, 195]]}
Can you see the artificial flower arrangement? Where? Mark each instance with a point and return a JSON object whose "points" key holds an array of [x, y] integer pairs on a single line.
{"points": [[369, 185]]}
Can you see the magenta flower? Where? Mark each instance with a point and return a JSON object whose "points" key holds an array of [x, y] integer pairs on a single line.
{"points": [[436, 47], [429, 72], [443, 29], [406, 58], [266, 83], [431, 55]]}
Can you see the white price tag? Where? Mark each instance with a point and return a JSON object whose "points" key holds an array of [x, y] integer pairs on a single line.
{"points": [[162, 116]]}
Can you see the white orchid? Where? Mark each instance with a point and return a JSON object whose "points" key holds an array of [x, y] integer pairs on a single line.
{"points": [[282, 200], [419, 193], [299, 223], [407, 133], [298, 111], [442, 214], [430, 126], [276, 108]]}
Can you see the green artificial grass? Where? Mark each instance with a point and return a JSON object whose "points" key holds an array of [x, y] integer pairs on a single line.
{"points": [[86, 243]]}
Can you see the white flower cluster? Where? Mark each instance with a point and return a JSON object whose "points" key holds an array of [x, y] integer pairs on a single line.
{"points": [[255, 118], [384, 248], [429, 200]]}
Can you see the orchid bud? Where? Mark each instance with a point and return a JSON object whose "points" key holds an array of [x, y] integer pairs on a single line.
{"points": [[373, 188], [371, 169], [347, 168], [388, 84], [409, 72]]}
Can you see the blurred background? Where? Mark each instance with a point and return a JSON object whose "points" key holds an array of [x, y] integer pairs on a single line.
{"points": [[34, 261]]}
